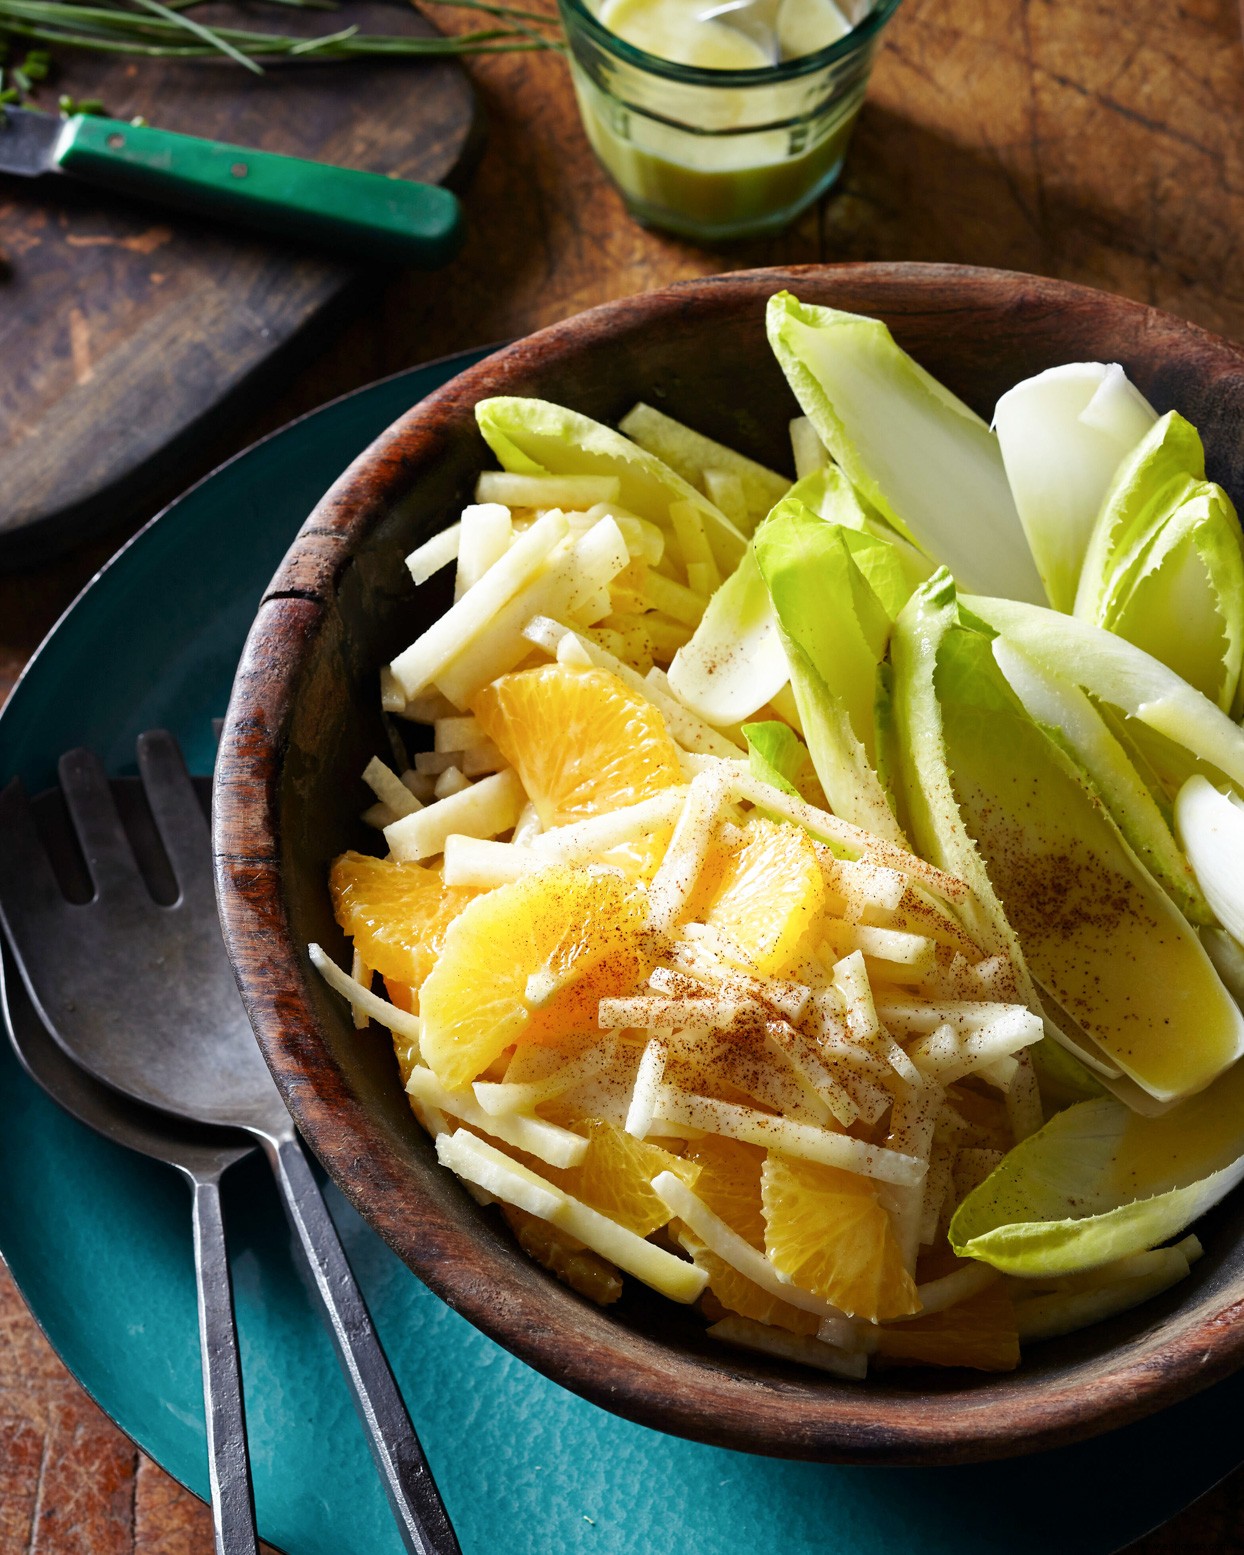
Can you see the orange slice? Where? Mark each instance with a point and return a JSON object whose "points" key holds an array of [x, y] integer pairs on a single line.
{"points": [[529, 962], [615, 1177], [711, 881], [827, 1231], [565, 1256], [401, 994], [639, 858], [979, 1332], [580, 740], [737, 1293], [770, 893], [396, 913], [729, 1183]]}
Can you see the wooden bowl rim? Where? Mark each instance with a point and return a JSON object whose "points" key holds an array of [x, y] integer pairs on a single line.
{"points": [[639, 1378]]}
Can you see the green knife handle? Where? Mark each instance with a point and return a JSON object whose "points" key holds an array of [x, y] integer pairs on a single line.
{"points": [[366, 215]]}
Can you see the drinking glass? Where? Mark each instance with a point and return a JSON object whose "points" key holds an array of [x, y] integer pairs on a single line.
{"points": [[718, 154]]}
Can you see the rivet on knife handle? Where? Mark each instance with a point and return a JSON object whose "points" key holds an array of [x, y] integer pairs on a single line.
{"points": [[364, 215]]}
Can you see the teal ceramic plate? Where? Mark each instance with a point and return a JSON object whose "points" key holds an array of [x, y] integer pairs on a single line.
{"points": [[99, 1240]]}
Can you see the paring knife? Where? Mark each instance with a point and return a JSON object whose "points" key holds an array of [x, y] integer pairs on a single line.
{"points": [[366, 215]]}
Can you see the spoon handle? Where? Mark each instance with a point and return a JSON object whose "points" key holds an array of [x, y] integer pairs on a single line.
{"points": [[233, 1504], [421, 1517]]}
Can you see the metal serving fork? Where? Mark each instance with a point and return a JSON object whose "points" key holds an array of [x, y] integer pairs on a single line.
{"points": [[141, 995], [202, 1156]]}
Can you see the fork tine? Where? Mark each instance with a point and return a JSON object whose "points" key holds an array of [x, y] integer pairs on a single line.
{"points": [[93, 811], [178, 815], [29, 891]]}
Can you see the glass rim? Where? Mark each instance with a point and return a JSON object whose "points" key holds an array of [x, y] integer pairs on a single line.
{"points": [[699, 75]]}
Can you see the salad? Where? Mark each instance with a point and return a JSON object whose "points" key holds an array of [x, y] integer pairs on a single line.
{"points": [[822, 901]]}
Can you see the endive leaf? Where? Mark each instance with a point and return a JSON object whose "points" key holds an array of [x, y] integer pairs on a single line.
{"points": [[1062, 1078], [892, 567], [1183, 601], [1068, 715], [1062, 435], [814, 572], [534, 437], [1095, 929], [1097, 1182], [831, 496], [1227, 954], [734, 662], [926, 462], [1113, 670], [1165, 566], [1148, 486], [776, 754], [849, 781], [889, 762], [913, 740], [929, 801], [1211, 828]]}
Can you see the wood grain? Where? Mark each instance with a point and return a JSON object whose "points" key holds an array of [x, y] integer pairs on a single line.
{"points": [[1097, 142], [70, 1482], [124, 329]]}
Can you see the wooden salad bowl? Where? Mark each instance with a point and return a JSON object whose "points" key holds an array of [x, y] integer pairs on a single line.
{"points": [[305, 718]]}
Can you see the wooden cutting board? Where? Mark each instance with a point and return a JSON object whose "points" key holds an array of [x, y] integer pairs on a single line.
{"points": [[126, 331]]}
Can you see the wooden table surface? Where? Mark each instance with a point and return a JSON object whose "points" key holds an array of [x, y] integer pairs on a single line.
{"points": [[1097, 140]]}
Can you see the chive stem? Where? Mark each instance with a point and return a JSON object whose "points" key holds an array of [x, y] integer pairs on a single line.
{"points": [[161, 29], [206, 33]]}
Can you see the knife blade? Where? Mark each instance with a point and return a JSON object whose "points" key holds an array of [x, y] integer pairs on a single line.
{"points": [[367, 215], [28, 142]]}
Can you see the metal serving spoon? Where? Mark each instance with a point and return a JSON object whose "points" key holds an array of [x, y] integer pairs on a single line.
{"points": [[202, 1156], [143, 997]]}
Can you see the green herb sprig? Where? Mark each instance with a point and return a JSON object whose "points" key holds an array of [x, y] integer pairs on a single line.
{"points": [[18, 82], [161, 29]]}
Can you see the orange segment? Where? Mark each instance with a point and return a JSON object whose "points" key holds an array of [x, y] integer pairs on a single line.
{"points": [[565, 1256], [827, 1231], [395, 912], [639, 858], [711, 881], [580, 740], [737, 1293], [615, 1177], [979, 1332], [401, 994], [771, 891], [405, 1049], [529, 962], [729, 1183]]}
